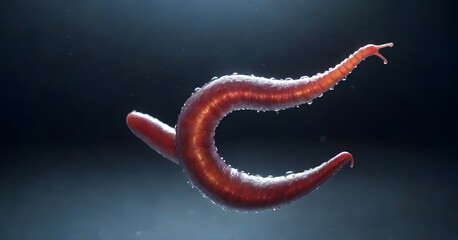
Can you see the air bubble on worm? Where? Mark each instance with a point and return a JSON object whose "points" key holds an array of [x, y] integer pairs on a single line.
{"points": [[320, 95], [225, 209], [288, 79], [293, 175], [214, 78], [235, 73], [272, 78], [332, 88], [197, 89], [275, 209], [310, 102], [302, 77], [343, 79], [289, 173], [270, 176]]}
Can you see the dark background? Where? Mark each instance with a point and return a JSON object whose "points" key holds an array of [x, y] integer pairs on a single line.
{"points": [[70, 71]]}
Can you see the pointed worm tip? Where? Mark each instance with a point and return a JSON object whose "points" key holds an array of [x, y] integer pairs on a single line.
{"points": [[385, 45], [378, 47], [347, 157]]}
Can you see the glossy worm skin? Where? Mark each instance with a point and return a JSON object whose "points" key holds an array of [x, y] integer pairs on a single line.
{"points": [[192, 146]]}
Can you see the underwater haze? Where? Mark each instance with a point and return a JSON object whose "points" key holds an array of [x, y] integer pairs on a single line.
{"points": [[72, 70]]}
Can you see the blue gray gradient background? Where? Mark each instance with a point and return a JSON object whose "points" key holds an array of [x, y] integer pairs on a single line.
{"points": [[70, 71]]}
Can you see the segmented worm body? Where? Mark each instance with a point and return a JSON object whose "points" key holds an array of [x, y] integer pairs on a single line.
{"points": [[191, 144]]}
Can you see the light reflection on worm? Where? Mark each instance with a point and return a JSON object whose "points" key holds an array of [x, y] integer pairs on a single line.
{"points": [[191, 144]]}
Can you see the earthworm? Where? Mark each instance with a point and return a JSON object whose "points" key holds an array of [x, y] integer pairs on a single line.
{"points": [[191, 143]]}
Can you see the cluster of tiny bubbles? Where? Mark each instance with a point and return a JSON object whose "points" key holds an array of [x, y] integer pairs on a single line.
{"points": [[190, 183]]}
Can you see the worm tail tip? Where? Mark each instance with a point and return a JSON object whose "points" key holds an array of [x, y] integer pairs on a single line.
{"points": [[378, 47]]}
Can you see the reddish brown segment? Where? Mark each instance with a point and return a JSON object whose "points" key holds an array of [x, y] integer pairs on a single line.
{"points": [[156, 134], [194, 142]]}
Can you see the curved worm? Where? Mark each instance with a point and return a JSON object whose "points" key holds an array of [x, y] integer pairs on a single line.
{"points": [[192, 144]]}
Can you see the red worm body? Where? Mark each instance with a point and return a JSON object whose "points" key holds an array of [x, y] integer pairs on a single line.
{"points": [[192, 146]]}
